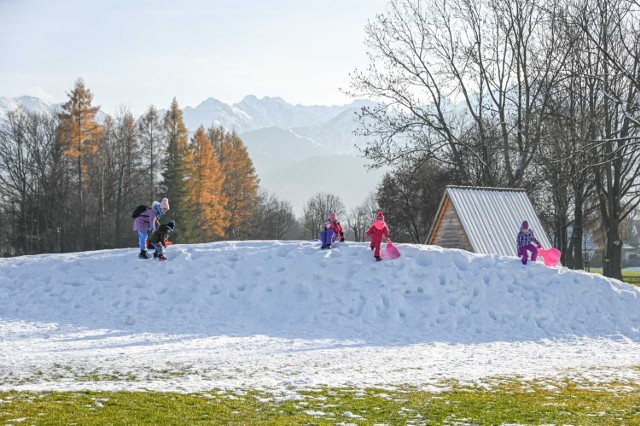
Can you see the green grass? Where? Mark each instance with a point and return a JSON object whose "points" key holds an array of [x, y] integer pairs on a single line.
{"points": [[628, 276], [505, 403], [631, 277]]}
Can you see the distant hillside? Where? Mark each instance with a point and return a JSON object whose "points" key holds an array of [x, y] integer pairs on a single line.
{"points": [[273, 147], [343, 175]]}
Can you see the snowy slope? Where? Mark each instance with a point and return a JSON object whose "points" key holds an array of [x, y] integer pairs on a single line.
{"points": [[274, 314]]}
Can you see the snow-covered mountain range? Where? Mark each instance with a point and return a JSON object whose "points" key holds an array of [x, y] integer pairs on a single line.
{"points": [[331, 127], [29, 103], [297, 150]]}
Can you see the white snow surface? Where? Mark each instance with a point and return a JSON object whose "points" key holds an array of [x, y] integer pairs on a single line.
{"points": [[284, 315]]}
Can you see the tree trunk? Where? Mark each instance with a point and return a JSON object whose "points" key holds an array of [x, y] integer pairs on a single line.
{"points": [[613, 254], [578, 235]]}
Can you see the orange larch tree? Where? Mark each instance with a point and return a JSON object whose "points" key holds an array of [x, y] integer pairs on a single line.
{"points": [[80, 136], [241, 183], [206, 185]]}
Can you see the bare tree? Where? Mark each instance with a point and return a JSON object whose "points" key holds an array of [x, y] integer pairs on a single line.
{"points": [[152, 141], [362, 216], [564, 159], [30, 166], [462, 81], [274, 218], [126, 175], [317, 210], [612, 41], [410, 197]]}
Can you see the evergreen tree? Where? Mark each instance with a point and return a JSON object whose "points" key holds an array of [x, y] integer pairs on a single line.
{"points": [[79, 134], [177, 168], [206, 189]]}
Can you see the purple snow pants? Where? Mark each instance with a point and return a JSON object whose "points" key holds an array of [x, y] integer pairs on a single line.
{"points": [[532, 249], [326, 237]]}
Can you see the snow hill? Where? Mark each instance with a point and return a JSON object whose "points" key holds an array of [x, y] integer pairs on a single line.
{"points": [[279, 314]]}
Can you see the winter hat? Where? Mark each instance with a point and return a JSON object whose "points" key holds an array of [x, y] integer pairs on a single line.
{"points": [[171, 225], [164, 203], [380, 216], [525, 225]]}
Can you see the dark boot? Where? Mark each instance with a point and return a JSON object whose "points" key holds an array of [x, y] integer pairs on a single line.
{"points": [[161, 257], [155, 254], [143, 254], [372, 248], [378, 258]]}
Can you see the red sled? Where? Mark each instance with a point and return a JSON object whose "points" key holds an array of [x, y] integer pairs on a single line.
{"points": [[551, 257], [391, 251]]}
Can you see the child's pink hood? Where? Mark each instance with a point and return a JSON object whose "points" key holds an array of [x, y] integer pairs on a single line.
{"points": [[379, 224]]}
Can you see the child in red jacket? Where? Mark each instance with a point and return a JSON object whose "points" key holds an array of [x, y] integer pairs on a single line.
{"points": [[378, 230]]}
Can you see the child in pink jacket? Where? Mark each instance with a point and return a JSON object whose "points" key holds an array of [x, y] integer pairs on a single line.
{"points": [[338, 232], [378, 230]]}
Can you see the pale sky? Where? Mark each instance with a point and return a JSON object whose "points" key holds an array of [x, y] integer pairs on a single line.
{"points": [[135, 53]]}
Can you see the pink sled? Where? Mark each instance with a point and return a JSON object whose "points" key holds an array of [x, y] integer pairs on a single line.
{"points": [[391, 251], [551, 257]]}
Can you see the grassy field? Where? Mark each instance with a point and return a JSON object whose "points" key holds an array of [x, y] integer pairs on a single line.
{"points": [[505, 403], [630, 276]]}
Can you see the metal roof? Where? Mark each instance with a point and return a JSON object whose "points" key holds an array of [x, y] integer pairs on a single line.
{"points": [[491, 217]]}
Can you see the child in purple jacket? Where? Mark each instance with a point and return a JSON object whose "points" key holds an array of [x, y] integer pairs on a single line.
{"points": [[326, 235], [524, 241], [148, 221]]}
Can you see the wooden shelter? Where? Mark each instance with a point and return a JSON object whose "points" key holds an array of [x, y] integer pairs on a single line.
{"points": [[484, 220]]}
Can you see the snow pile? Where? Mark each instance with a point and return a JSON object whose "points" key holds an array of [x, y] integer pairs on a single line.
{"points": [[286, 313]]}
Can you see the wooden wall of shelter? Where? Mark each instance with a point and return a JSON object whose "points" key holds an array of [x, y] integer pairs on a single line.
{"points": [[448, 230]]}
